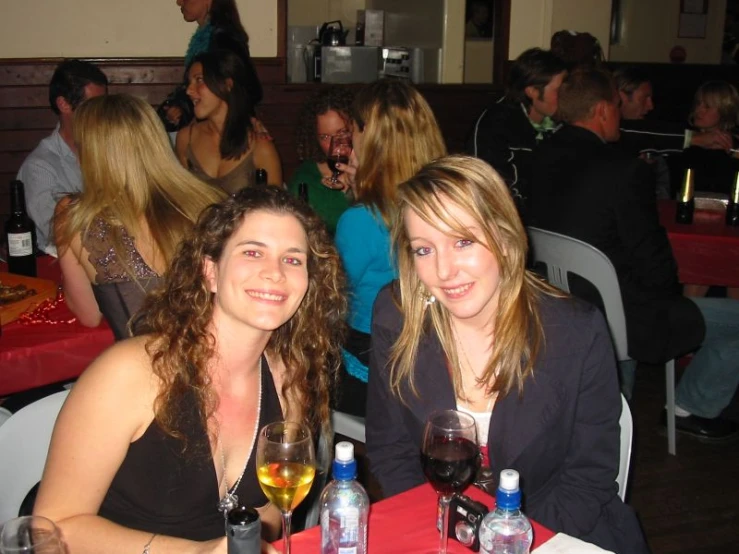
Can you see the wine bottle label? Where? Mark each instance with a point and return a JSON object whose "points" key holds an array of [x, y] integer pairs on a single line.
{"points": [[20, 244]]}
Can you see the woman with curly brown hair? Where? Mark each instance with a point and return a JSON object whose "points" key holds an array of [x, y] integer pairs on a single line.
{"points": [[245, 331], [324, 115]]}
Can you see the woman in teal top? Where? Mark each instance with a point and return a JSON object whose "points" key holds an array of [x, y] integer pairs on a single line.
{"points": [[394, 134], [324, 115]]}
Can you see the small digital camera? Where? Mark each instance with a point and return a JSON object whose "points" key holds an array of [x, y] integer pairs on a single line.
{"points": [[465, 517]]}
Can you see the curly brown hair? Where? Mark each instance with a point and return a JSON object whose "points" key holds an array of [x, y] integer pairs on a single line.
{"points": [[178, 317], [336, 98]]}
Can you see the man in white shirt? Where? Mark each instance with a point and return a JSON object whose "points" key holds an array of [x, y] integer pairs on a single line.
{"points": [[52, 170]]}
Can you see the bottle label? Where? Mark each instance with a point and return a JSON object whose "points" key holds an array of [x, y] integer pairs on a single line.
{"points": [[20, 244]]}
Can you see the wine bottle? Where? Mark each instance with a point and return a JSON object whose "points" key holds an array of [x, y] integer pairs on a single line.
{"points": [[686, 202], [243, 531], [261, 177], [20, 233], [303, 192], [732, 209]]}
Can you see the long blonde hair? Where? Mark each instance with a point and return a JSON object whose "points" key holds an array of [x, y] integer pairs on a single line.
{"points": [[400, 134], [477, 189], [131, 177], [722, 96]]}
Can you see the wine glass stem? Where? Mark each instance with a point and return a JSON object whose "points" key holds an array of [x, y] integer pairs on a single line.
{"points": [[445, 499], [286, 522]]}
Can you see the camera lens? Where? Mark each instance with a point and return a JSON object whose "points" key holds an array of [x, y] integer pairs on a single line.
{"points": [[465, 533]]}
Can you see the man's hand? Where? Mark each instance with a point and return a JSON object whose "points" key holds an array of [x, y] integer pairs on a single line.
{"points": [[714, 140]]}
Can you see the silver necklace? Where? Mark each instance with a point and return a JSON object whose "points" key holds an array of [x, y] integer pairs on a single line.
{"points": [[477, 381], [230, 499]]}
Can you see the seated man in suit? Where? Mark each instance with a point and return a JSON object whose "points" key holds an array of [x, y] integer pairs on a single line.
{"points": [[507, 132], [588, 189]]}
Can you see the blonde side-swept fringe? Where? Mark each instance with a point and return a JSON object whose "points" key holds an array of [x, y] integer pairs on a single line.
{"points": [[518, 334]]}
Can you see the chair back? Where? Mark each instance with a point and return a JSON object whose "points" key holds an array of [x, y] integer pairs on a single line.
{"points": [[348, 425], [24, 443], [627, 434], [563, 255]]}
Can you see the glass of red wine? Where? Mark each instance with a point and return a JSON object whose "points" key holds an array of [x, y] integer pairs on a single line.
{"points": [[450, 458], [338, 152]]}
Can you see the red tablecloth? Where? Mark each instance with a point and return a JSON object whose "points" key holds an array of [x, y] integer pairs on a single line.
{"points": [[35, 355], [406, 524], [707, 250]]}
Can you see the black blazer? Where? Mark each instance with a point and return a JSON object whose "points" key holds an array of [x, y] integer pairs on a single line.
{"points": [[562, 434], [593, 191]]}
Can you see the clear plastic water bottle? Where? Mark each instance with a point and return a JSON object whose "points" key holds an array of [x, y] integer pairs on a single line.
{"points": [[344, 507], [506, 530]]}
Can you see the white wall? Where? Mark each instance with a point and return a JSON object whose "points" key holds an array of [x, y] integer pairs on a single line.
{"points": [[533, 22], [117, 28], [650, 31]]}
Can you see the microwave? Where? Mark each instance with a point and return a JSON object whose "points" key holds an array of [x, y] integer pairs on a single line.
{"points": [[350, 64]]}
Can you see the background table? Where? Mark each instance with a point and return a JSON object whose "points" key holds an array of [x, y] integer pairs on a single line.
{"points": [[707, 250], [36, 355], [406, 524]]}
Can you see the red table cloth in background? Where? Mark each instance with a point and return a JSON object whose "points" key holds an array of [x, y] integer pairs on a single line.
{"points": [[406, 524], [35, 355], [707, 250]]}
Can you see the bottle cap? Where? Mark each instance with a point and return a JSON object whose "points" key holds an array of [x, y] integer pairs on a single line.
{"points": [[344, 451], [508, 496], [344, 466], [509, 480]]}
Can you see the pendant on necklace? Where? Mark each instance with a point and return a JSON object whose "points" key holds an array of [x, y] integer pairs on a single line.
{"points": [[228, 503]]}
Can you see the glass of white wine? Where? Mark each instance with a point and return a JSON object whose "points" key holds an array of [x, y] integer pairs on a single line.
{"points": [[286, 466], [30, 535]]}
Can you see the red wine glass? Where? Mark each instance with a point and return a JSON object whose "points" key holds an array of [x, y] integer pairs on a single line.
{"points": [[338, 152], [450, 458]]}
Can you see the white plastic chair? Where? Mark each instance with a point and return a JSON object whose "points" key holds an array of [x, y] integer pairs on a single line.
{"points": [[4, 415], [348, 425], [563, 254], [24, 444], [627, 434]]}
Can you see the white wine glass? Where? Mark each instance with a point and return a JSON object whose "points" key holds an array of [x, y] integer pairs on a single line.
{"points": [[286, 466], [30, 535]]}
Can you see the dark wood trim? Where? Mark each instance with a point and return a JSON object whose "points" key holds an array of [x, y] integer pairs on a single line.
{"points": [[281, 28], [501, 40]]}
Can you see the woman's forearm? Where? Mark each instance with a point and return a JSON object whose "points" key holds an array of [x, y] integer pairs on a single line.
{"points": [[85, 534]]}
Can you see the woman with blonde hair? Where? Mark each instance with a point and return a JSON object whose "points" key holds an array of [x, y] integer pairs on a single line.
{"points": [[158, 436], [467, 327], [715, 108], [116, 238], [394, 134]]}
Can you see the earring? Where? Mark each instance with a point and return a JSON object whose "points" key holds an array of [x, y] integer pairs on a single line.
{"points": [[430, 300]]}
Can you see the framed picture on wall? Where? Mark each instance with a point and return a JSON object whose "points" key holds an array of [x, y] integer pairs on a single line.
{"points": [[479, 19], [693, 19]]}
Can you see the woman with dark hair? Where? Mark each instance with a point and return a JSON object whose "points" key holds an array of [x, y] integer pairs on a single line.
{"points": [[222, 147], [324, 115], [467, 327], [219, 28], [245, 331]]}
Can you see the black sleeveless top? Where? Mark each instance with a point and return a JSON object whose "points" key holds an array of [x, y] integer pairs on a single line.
{"points": [[158, 489]]}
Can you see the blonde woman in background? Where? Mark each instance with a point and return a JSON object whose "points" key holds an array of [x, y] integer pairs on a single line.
{"points": [[394, 134], [116, 238]]}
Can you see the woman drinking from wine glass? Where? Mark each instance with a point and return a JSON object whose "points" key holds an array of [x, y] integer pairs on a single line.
{"points": [[222, 147], [158, 436], [467, 327], [324, 115], [394, 134]]}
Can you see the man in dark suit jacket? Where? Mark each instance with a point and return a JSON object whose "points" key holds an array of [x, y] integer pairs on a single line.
{"points": [[588, 189]]}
